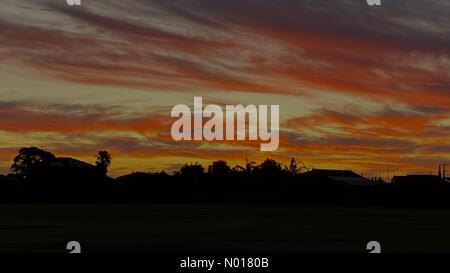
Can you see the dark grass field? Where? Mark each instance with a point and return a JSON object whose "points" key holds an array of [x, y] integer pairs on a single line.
{"points": [[221, 228]]}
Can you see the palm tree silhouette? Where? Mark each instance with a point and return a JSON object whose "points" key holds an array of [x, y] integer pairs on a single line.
{"points": [[103, 161]]}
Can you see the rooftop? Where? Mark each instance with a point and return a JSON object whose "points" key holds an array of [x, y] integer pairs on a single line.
{"points": [[335, 173], [70, 162]]}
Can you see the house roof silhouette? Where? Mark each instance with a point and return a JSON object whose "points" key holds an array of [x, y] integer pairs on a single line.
{"points": [[69, 162], [345, 177], [337, 173], [417, 181]]}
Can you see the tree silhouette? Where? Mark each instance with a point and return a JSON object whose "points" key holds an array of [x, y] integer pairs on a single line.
{"points": [[219, 168], [293, 168], [192, 171], [30, 159], [269, 169], [103, 161]]}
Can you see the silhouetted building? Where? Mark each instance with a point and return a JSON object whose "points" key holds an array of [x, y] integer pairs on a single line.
{"points": [[340, 177], [65, 171], [418, 182]]}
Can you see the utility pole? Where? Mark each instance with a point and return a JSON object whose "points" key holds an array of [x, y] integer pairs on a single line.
{"points": [[443, 170]]}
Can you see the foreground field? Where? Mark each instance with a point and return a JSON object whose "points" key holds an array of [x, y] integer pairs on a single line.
{"points": [[220, 228]]}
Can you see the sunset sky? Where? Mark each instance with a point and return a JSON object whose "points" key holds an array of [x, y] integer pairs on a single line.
{"points": [[359, 87]]}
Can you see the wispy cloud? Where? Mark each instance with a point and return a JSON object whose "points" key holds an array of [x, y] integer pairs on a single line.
{"points": [[376, 81]]}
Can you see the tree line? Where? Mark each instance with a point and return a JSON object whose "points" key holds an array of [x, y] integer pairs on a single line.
{"points": [[30, 159]]}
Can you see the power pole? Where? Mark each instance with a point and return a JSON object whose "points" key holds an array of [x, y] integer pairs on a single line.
{"points": [[443, 170]]}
